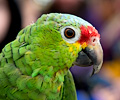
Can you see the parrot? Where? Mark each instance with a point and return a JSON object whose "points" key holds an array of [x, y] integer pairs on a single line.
{"points": [[35, 66]]}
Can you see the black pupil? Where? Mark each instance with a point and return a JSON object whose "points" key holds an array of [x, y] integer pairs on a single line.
{"points": [[69, 33]]}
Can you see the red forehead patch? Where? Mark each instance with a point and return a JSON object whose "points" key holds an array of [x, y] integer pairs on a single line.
{"points": [[87, 32]]}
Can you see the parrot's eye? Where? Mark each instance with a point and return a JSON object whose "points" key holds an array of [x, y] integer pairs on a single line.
{"points": [[69, 33]]}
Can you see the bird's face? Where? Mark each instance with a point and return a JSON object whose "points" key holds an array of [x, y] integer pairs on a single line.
{"points": [[83, 40], [72, 41]]}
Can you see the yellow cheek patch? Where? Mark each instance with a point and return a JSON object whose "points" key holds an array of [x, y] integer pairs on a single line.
{"points": [[70, 49], [77, 45], [84, 45], [73, 47]]}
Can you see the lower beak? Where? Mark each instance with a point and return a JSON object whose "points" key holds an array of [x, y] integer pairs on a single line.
{"points": [[91, 56]]}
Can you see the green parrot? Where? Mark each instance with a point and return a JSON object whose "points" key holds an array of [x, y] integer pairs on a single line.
{"points": [[35, 66]]}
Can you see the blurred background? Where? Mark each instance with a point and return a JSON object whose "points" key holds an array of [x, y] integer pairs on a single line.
{"points": [[103, 14]]}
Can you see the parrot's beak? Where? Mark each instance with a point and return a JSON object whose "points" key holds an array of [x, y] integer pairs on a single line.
{"points": [[91, 55]]}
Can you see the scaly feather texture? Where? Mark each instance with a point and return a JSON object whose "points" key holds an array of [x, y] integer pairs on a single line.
{"points": [[35, 66]]}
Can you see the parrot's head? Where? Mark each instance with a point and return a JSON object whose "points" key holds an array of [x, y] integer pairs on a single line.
{"points": [[69, 40]]}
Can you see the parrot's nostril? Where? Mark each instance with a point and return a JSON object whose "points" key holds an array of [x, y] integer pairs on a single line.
{"points": [[94, 40]]}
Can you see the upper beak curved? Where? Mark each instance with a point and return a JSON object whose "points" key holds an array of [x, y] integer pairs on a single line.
{"points": [[91, 55]]}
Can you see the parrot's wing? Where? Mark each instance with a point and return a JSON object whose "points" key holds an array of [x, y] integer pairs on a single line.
{"points": [[15, 85], [69, 91]]}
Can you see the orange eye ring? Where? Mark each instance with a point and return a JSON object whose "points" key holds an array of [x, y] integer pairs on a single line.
{"points": [[69, 33]]}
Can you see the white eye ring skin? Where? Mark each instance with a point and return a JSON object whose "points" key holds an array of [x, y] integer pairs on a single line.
{"points": [[73, 39]]}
